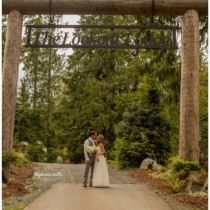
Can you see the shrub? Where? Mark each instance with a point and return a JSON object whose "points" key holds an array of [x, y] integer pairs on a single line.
{"points": [[14, 158], [59, 159], [166, 176], [21, 159], [77, 156], [8, 159], [35, 153], [145, 127], [129, 154], [65, 154], [183, 167], [52, 154]]}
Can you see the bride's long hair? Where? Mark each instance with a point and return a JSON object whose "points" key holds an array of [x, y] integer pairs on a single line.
{"points": [[100, 139]]}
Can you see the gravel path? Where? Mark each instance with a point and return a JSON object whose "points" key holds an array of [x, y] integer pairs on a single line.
{"points": [[69, 194], [66, 173], [74, 173], [48, 174]]}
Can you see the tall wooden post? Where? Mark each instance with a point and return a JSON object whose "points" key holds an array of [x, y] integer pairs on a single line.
{"points": [[9, 83], [189, 105]]}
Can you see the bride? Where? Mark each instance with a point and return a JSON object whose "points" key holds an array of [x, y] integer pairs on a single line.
{"points": [[100, 173]]}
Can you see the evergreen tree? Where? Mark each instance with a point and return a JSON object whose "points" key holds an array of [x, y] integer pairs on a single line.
{"points": [[204, 102], [30, 125], [100, 88], [144, 129], [121, 70], [42, 68]]}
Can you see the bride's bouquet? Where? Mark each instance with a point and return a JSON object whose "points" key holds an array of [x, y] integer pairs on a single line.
{"points": [[91, 149]]}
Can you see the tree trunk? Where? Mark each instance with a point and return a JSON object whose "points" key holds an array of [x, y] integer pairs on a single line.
{"points": [[108, 7], [189, 99], [9, 83]]}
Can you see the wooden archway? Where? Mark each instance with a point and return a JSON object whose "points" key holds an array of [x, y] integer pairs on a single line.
{"points": [[189, 9]]}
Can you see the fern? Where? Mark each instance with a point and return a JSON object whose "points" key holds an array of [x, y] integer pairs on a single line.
{"points": [[176, 185]]}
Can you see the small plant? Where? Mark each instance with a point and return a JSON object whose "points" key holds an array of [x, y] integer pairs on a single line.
{"points": [[176, 185], [167, 199], [167, 176], [200, 194], [156, 191], [6, 203], [65, 153], [59, 159], [163, 169], [150, 176], [4, 185]]}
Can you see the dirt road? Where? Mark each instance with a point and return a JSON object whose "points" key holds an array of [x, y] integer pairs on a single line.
{"points": [[69, 194]]}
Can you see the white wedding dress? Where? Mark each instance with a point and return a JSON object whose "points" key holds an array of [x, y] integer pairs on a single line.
{"points": [[100, 173]]}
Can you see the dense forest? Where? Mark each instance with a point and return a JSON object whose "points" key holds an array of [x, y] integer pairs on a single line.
{"points": [[131, 96]]}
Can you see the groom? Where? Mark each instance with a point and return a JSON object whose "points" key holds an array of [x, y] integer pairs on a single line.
{"points": [[89, 160]]}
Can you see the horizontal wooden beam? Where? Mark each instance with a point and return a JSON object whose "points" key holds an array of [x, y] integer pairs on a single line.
{"points": [[105, 7]]}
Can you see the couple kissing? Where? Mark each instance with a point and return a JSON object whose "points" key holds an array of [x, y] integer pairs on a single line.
{"points": [[95, 163]]}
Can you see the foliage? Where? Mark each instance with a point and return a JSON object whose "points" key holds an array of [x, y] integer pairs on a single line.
{"points": [[90, 107], [150, 176], [38, 94], [106, 79], [21, 159], [199, 194], [100, 90], [30, 125], [59, 159], [166, 175], [128, 154], [65, 154], [176, 185], [76, 154], [14, 158], [203, 104], [4, 29], [183, 167], [8, 159], [52, 154], [36, 152], [172, 111], [144, 129]]}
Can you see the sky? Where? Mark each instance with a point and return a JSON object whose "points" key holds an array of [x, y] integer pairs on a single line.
{"points": [[72, 20]]}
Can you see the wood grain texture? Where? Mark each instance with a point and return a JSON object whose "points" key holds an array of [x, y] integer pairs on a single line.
{"points": [[189, 98], [9, 82], [106, 7]]}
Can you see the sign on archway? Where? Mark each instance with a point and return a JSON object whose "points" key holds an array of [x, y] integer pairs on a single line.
{"points": [[130, 37]]}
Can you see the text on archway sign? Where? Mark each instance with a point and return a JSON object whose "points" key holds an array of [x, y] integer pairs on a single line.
{"points": [[127, 37]]}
